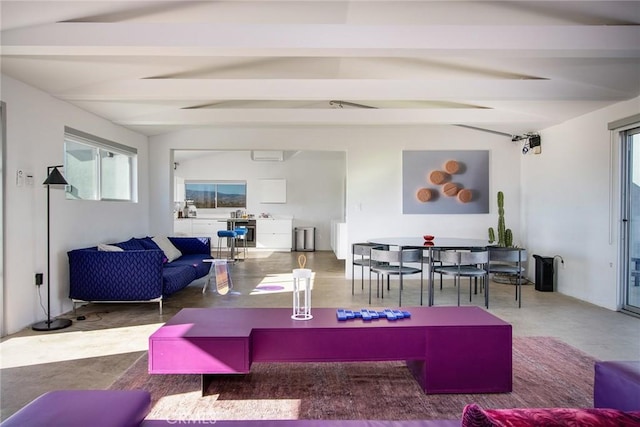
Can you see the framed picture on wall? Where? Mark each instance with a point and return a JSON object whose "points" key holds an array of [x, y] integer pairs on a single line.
{"points": [[445, 182]]}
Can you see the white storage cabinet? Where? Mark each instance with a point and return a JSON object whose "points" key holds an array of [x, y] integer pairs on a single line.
{"points": [[274, 234]]}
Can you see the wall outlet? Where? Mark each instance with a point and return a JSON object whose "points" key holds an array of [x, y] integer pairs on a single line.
{"points": [[38, 279]]}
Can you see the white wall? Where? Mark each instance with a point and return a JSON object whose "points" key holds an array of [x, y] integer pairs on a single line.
{"points": [[315, 185], [161, 159], [374, 173], [374, 180], [35, 137], [571, 203]]}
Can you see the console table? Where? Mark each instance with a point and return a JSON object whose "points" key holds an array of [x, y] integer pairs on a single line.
{"points": [[447, 349]]}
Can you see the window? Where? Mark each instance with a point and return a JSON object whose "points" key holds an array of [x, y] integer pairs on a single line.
{"points": [[98, 169], [217, 194]]}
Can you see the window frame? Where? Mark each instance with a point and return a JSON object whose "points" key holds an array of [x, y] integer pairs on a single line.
{"points": [[102, 148], [214, 184]]}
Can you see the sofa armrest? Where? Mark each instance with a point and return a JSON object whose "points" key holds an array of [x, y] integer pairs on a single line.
{"points": [[115, 276], [192, 245]]}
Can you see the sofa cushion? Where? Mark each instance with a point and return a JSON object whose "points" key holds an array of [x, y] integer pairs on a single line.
{"points": [[475, 416], [176, 277], [192, 245], [171, 252], [109, 248], [148, 244], [81, 408], [130, 245], [195, 261], [617, 385], [304, 423]]}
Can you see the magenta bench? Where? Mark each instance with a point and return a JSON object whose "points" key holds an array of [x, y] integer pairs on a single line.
{"points": [[435, 342]]}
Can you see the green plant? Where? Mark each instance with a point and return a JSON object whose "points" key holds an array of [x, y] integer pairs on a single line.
{"points": [[505, 236]]}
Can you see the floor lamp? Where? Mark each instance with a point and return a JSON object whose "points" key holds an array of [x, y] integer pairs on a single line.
{"points": [[54, 177]]}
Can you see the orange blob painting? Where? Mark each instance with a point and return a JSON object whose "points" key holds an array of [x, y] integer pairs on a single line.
{"points": [[445, 181]]}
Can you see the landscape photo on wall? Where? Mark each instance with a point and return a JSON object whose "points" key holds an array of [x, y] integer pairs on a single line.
{"points": [[212, 195]]}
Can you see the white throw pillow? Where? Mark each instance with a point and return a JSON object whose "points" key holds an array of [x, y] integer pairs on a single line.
{"points": [[170, 251], [109, 248]]}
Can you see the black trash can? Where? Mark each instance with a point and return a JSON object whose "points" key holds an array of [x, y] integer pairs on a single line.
{"points": [[544, 273]]}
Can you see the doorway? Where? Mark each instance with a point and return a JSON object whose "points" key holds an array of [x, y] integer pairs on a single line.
{"points": [[631, 220]]}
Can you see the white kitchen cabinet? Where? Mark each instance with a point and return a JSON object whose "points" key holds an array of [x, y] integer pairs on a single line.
{"points": [[200, 227], [182, 227], [274, 234], [178, 190], [339, 242], [208, 228]]}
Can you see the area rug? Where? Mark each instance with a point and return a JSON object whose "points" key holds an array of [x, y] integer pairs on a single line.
{"points": [[546, 373]]}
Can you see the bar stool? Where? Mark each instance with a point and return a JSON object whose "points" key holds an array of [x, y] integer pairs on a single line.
{"points": [[241, 234], [230, 235]]}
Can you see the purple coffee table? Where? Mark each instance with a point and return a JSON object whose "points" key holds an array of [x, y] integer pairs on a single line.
{"points": [[448, 349]]}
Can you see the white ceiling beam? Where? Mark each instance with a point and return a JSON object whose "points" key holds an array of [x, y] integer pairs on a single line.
{"points": [[198, 39], [207, 90], [204, 117]]}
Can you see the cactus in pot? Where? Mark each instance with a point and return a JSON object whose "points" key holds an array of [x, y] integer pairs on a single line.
{"points": [[505, 236]]}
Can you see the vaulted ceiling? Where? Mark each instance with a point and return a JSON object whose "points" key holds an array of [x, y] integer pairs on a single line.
{"points": [[158, 66]]}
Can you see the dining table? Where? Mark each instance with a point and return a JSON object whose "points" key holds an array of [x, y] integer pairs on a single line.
{"points": [[403, 243]]}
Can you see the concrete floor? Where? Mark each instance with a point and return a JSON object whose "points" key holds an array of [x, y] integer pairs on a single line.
{"points": [[94, 352]]}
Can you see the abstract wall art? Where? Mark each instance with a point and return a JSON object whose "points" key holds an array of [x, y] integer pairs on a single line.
{"points": [[445, 182]]}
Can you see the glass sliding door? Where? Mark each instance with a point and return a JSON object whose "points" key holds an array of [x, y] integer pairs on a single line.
{"points": [[631, 220], [3, 146]]}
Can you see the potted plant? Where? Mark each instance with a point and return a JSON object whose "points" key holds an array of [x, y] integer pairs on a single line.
{"points": [[505, 236], [505, 239]]}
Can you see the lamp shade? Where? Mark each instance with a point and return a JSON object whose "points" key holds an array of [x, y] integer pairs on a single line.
{"points": [[55, 178]]}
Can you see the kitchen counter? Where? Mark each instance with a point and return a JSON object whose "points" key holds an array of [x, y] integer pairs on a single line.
{"points": [[273, 233]]}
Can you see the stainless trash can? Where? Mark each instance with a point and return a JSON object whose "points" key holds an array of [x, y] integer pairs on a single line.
{"points": [[305, 239]]}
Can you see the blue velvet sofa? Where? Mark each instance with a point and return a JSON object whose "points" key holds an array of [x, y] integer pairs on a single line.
{"points": [[139, 273]]}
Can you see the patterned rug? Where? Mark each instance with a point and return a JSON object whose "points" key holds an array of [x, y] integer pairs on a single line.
{"points": [[546, 373]]}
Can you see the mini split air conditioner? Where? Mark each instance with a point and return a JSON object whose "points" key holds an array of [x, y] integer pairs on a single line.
{"points": [[267, 155]]}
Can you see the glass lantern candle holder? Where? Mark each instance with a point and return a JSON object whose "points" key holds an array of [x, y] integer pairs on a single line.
{"points": [[301, 294]]}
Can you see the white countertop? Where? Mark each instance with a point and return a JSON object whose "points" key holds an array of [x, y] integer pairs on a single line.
{"points": [[225, 218]]}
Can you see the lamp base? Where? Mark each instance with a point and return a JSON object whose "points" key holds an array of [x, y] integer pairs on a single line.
{"points": [[51, 325]]}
